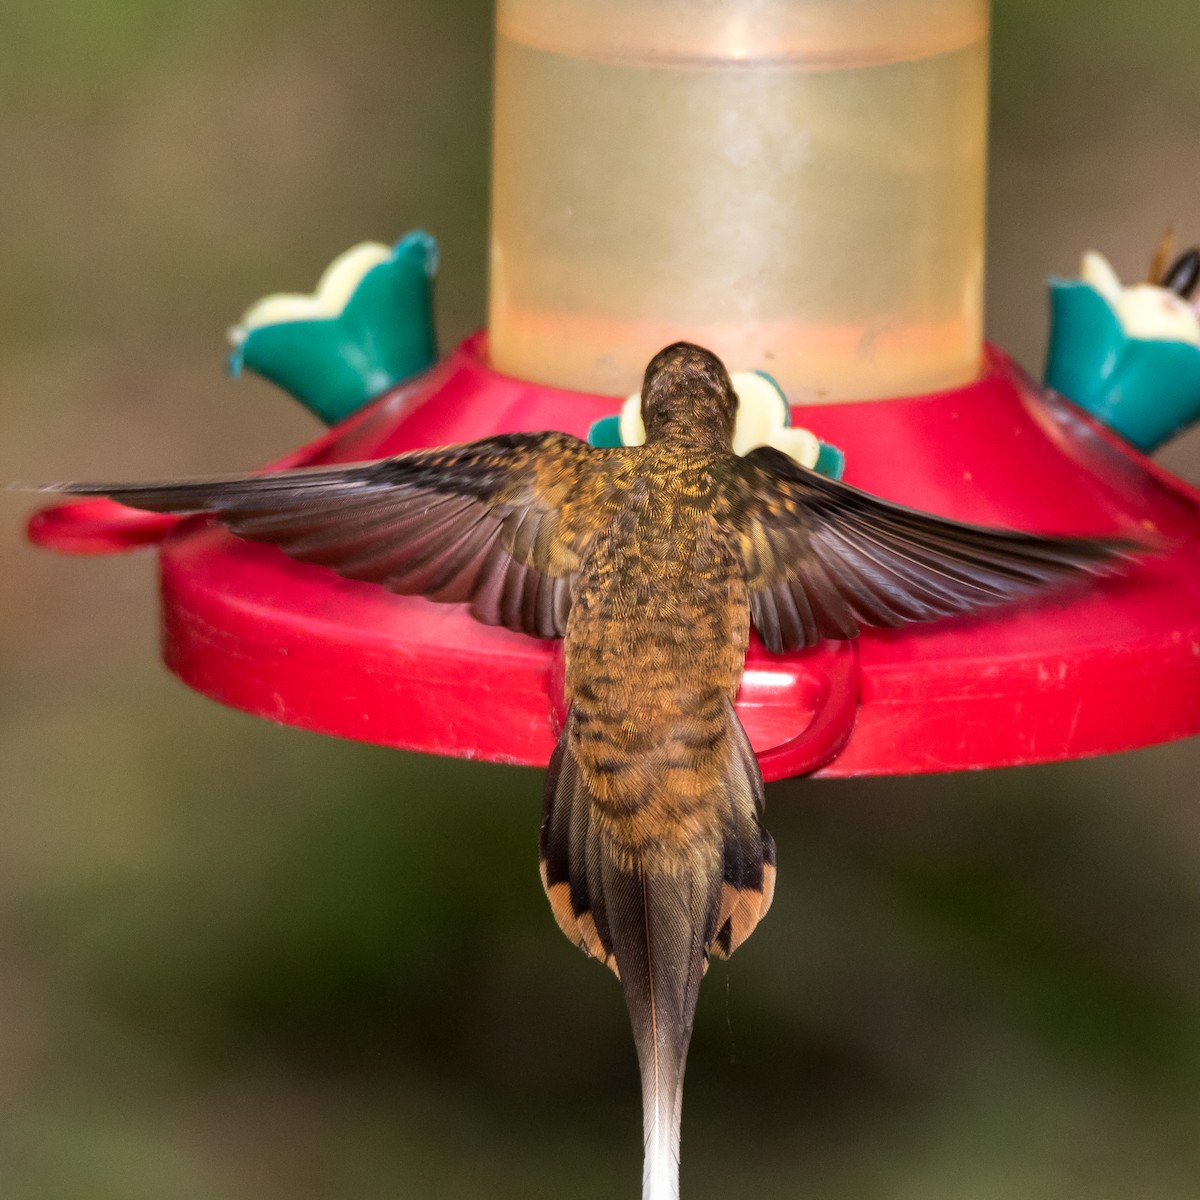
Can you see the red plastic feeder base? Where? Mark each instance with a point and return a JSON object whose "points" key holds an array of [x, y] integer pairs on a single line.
{"points": [[1096, 669]]}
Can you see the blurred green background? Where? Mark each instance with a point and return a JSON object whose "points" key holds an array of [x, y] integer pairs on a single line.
{"points": [[242, 961]]}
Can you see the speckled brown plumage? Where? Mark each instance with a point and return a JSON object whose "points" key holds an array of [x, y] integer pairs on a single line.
{"points": [[652, 563]]}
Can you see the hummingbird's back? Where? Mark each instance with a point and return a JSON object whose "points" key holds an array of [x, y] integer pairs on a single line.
{"points": [[654, 649]]}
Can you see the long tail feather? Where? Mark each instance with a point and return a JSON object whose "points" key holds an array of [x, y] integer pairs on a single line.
{"points": [[658, 925], [655, 919]]}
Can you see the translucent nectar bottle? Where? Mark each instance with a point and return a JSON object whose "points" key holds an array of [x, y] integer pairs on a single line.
{"points": [[796, 184]]}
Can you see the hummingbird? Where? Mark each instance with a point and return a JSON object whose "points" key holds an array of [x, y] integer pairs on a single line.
{"points": [[652, 563]]}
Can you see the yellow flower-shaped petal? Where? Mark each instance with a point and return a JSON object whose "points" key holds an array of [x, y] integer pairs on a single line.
{"points": [[1144, 309], [334, 289]]}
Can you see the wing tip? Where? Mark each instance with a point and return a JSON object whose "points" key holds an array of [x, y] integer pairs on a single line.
{"points": [[52, 489], [1105, 556], [1152, 543]]}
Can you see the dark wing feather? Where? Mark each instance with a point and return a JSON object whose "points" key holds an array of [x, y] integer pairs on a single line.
{"points": [[823, 559], [481, 522]]}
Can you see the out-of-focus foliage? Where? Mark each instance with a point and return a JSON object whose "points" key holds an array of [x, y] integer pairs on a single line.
{"points": [[240, 961]]}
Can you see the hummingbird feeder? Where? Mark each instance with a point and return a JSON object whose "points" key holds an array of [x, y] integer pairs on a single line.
{"points": [[798, 185]]}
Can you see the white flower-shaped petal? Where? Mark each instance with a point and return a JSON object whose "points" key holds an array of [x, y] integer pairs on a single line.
{"points": [[338, 283], [1144, 310], [761, 421], [1097, 270]]}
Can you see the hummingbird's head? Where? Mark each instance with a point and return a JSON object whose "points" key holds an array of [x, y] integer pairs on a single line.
{"points": [[687, 396]]}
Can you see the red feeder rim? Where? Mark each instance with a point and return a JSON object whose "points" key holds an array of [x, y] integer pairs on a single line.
{"points": [[1091, 670]]}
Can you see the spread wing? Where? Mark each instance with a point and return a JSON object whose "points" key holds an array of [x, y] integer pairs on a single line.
{"points": [[482, 522], [823, 559]]}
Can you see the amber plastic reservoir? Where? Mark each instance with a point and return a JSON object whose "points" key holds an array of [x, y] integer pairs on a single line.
{"points": [[797, 184]]}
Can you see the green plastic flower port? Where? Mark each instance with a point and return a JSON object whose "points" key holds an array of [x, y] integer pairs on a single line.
{"points": [[366, 328], [1104, 356]]}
